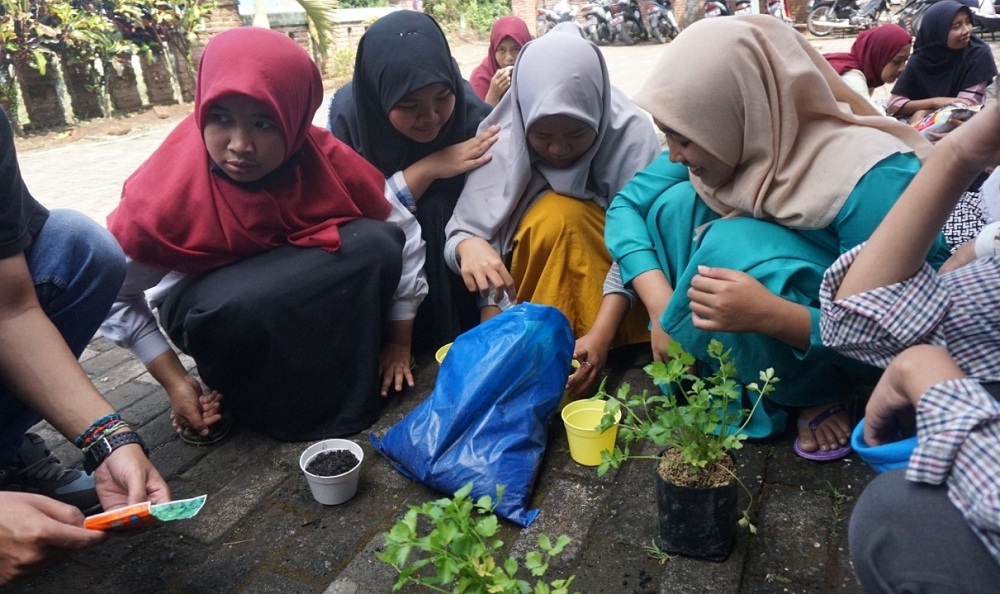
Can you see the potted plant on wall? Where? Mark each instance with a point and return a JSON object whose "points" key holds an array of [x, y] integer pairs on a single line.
{"points": [[697, 424]]}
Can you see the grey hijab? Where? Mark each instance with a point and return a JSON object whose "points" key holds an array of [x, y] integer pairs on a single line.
{"points": [[559, 73]]}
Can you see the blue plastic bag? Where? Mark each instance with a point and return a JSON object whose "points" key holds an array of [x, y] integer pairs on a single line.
{"points": [[487, 420]]}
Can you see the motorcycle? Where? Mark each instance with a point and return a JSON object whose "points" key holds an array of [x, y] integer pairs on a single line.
{"points": [[846, 14], [721, 8], [545, 18], [910, 14], [626, 21], [779, 10], [715, 8], [597, 19], [662, 22]]}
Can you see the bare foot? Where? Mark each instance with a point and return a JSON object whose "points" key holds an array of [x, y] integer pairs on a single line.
{"points": [[830, 434]]}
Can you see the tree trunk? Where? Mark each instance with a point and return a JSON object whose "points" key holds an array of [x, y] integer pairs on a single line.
{"points": [[159, 85], [84, 87], [8, 96], [41, 97], [123, 86], [184, 69], [691, 11]]}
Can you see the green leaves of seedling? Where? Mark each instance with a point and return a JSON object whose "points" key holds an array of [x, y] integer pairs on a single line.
{"points": [[452, 544], [699, 417]]}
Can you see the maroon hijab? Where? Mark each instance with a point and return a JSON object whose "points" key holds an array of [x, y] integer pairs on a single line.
{"points": [[508, 26], [871, 51], [176, 213]]}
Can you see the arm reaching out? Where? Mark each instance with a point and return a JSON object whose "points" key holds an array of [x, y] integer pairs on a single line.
{"points": [[901, 242]]}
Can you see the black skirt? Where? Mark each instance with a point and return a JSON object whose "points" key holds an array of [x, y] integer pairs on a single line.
{"points": [[292, 337]]}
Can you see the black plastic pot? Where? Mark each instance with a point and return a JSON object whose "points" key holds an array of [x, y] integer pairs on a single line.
{"points": [[697, 522]]}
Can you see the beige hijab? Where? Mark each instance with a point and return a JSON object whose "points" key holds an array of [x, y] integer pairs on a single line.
{"points": [[752, 92]]}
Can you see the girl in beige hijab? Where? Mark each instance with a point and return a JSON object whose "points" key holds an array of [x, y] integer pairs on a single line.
{"points": [[774, 168]]}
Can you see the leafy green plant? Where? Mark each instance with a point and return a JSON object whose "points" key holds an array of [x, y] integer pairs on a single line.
{"points": [[695, 420], [461, 550], [342, 62], [479, 14]]}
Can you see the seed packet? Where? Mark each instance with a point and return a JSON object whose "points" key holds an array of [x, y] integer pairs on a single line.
{"points": [[145, 514]]}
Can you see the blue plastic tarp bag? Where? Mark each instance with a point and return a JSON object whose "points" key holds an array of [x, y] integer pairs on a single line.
{"points": [[487, 419]]}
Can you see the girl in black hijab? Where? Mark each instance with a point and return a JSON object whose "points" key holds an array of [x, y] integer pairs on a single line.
{"points": [[410, 113], [949, 64]]}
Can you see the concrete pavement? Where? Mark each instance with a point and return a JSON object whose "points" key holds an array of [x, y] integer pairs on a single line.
{"points": [[261, 531]]}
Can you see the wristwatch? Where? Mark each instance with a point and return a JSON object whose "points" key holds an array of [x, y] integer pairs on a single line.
{"points": [[103, 447]]}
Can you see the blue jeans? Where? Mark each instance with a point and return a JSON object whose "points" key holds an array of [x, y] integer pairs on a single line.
{"points": [[77, 269]]}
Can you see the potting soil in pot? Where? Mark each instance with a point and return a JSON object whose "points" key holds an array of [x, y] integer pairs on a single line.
{"points": [[332, 462]]}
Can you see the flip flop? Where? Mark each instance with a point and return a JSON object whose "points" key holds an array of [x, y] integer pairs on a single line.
{"points": [[820, 455], [218, 432]]}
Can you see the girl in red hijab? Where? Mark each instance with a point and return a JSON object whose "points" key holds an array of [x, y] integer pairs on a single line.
{"points": [[877, 57], [491, 79], [282, 264]]}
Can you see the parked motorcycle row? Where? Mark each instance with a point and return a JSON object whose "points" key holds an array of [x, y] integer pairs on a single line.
{"points": [[825, 16], [608, 21]]}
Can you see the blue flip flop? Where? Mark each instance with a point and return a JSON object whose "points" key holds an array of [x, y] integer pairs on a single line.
{"points": [[820, 455]]}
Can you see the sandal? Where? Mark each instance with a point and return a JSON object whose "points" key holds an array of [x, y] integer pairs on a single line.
{"points": [[819, 455], [218, 431]]}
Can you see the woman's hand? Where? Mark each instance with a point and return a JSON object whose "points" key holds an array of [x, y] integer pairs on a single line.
{"points": [[891, 408], [724, 300], [659, 340], [192, 406], [450, 161], [592, 353], [464, 156], [499, 85], [394, 367], [483, 269]]}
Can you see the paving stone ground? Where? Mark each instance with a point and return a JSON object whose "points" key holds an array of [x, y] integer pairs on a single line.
{"points": [[261, 531]]}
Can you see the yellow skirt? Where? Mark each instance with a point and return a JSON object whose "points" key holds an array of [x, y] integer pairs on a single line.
{"points": [[560, 259]]}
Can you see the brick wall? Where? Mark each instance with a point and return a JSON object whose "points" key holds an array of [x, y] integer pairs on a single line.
{"points": [[526, 10]]}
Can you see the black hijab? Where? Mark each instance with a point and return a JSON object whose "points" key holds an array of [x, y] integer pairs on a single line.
{"points": [[935, 70], [400, 53]]}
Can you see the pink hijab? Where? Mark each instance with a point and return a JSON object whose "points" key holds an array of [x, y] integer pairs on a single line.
{"points": [[508, 26], [871, 51], [176, 214]]}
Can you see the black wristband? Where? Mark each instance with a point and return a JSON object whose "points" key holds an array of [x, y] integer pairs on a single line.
{"points": [[102, 448]]}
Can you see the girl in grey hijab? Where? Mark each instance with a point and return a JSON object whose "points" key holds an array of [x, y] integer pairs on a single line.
{"points": [[529, 225]]}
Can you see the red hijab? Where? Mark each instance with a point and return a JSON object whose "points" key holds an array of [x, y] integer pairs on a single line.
{"points": [[508, 26], [871, 51], [176, 213]]}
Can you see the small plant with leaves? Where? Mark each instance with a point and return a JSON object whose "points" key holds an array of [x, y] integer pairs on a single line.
{"points": [[694, 421], [460, 552]]}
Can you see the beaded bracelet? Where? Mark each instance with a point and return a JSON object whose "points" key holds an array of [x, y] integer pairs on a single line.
{"points": [[96, 428], [112, 429], [101, 430]]}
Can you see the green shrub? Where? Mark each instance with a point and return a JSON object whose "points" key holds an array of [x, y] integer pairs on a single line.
{"points": [[450, 545], [479, 14]]}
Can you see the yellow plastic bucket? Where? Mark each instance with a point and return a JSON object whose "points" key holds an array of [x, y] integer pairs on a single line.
{"points": [[441, 352], [585, 442]]}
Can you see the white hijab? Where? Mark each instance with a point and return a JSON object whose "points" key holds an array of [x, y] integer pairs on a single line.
{"points": [[559, 73]]}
